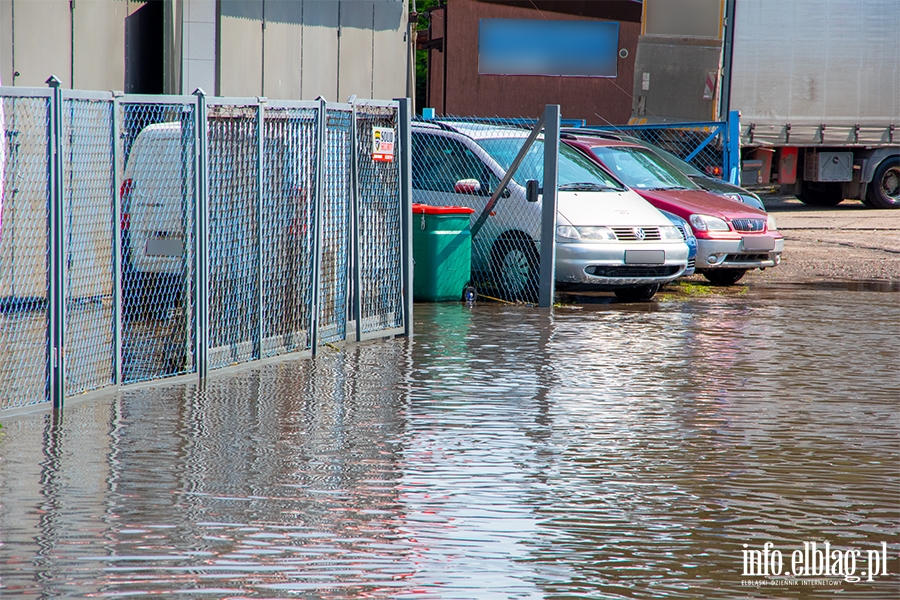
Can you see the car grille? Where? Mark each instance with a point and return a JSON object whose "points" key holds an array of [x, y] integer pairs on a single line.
{"points": [[631, 234], [692, 262], [749, 224], [746, 257], [632, 271]]}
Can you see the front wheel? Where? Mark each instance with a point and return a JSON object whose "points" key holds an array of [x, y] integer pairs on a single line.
{"points": [[639, 293], [516, 268], [724, 276], [816, 193], [884, 191]]}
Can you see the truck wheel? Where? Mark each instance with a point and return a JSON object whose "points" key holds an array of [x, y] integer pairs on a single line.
{"points": [[639, 293], [516, 268], [816, 193], [884, 191], [724, 276]]}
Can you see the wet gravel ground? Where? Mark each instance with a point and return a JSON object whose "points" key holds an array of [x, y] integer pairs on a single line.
{"points": [[847, 242]]}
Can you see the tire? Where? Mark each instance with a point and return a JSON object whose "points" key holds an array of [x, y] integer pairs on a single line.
{"points": [[884, 190], [724, 276], [639, 293], [816, 193], [516, 268]]}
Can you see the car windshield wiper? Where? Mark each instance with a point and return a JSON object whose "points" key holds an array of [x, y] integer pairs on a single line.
{"points": [[670, 187], [587, 186]]}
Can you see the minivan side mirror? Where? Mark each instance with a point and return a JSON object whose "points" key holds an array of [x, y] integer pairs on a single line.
{"points": [[532, 190], [467, 186]]}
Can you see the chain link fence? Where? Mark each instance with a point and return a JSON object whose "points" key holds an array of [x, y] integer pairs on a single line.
{"points": [[288, 227], [703, 145], [24, 249], [380, 272], [496, 167], [234, 221], [150, 236], [334, 231], [157, 190], [88, 192]]}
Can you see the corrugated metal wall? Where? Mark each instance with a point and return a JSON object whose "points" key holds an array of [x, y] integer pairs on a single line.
{"points": [[297, 49]]}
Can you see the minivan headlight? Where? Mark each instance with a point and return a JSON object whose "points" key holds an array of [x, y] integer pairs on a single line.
{"points": [[770, 224], [568, 233], [670, 232], [708, 223]]}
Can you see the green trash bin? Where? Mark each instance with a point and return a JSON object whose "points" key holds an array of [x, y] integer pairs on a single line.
{"points": [[442, 252]]}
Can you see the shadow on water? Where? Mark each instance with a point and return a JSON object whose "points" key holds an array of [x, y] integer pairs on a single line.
{"points": [[607, 450]]}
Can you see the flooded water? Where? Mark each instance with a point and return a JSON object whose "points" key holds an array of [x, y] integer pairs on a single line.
{"points": [[594, 451]]}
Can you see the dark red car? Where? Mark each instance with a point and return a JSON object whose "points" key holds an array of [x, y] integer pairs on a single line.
{"points": [[732, 237]]}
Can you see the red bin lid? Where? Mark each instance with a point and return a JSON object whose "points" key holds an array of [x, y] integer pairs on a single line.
{"points": [[425, 209]]}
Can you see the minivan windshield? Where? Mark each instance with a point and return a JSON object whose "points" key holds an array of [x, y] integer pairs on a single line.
{"points": [[576, 171], [640, 169]]}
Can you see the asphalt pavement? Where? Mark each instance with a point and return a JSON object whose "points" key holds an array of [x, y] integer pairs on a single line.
{"points": [[849, 241]]}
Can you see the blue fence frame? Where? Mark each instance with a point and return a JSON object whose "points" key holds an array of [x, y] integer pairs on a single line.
{"points": [[712, 146]]}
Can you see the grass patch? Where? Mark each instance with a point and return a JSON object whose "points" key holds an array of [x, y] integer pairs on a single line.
{"points": [[695, 288]]}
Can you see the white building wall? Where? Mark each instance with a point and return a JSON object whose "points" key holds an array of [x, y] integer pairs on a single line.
{"points": [[283, 61], [6, 46], [198, 46], [320, 50], [302, 49], [43, 41]]}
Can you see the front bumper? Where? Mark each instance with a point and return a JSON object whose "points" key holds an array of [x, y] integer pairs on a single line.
{"points": [[733, 254], [604, 265]]}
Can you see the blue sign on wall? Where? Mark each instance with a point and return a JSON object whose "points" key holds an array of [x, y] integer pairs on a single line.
{"points": [[539, 47]]}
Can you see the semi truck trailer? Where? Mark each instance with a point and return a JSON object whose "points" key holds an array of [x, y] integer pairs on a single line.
{"points": [[816, 84]]}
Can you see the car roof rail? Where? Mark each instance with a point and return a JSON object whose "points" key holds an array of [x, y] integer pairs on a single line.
{"points": [[587, 132], [434, 124]]}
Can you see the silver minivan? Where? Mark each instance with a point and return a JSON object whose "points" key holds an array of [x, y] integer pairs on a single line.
{"points": [[607, 236]]}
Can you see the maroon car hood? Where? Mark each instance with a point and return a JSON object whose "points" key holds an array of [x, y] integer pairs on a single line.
{"points": [[687, 202]]}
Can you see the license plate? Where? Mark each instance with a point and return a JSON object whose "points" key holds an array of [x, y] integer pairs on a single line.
{"points": [[645, 257], [164, 247], [759, 242]]}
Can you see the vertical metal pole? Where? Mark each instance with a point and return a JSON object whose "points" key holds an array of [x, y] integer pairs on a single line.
{"points": [[356, 298], [733, 144], [57, 252], [188, 162], [405, 184], [118, 263], [548, 205], [727, 63], [201, 237], [260, 146], [319, 226]]}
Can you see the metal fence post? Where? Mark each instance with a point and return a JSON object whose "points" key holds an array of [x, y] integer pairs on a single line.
{"points": [[733, 147], [201, 237], [318, 229], [260, 146], [356, 297], [118, 263], [548, 205], [405, 175], [57, 300]]}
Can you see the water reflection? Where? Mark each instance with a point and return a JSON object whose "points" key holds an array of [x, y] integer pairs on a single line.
{"points": [[608, 452]]}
